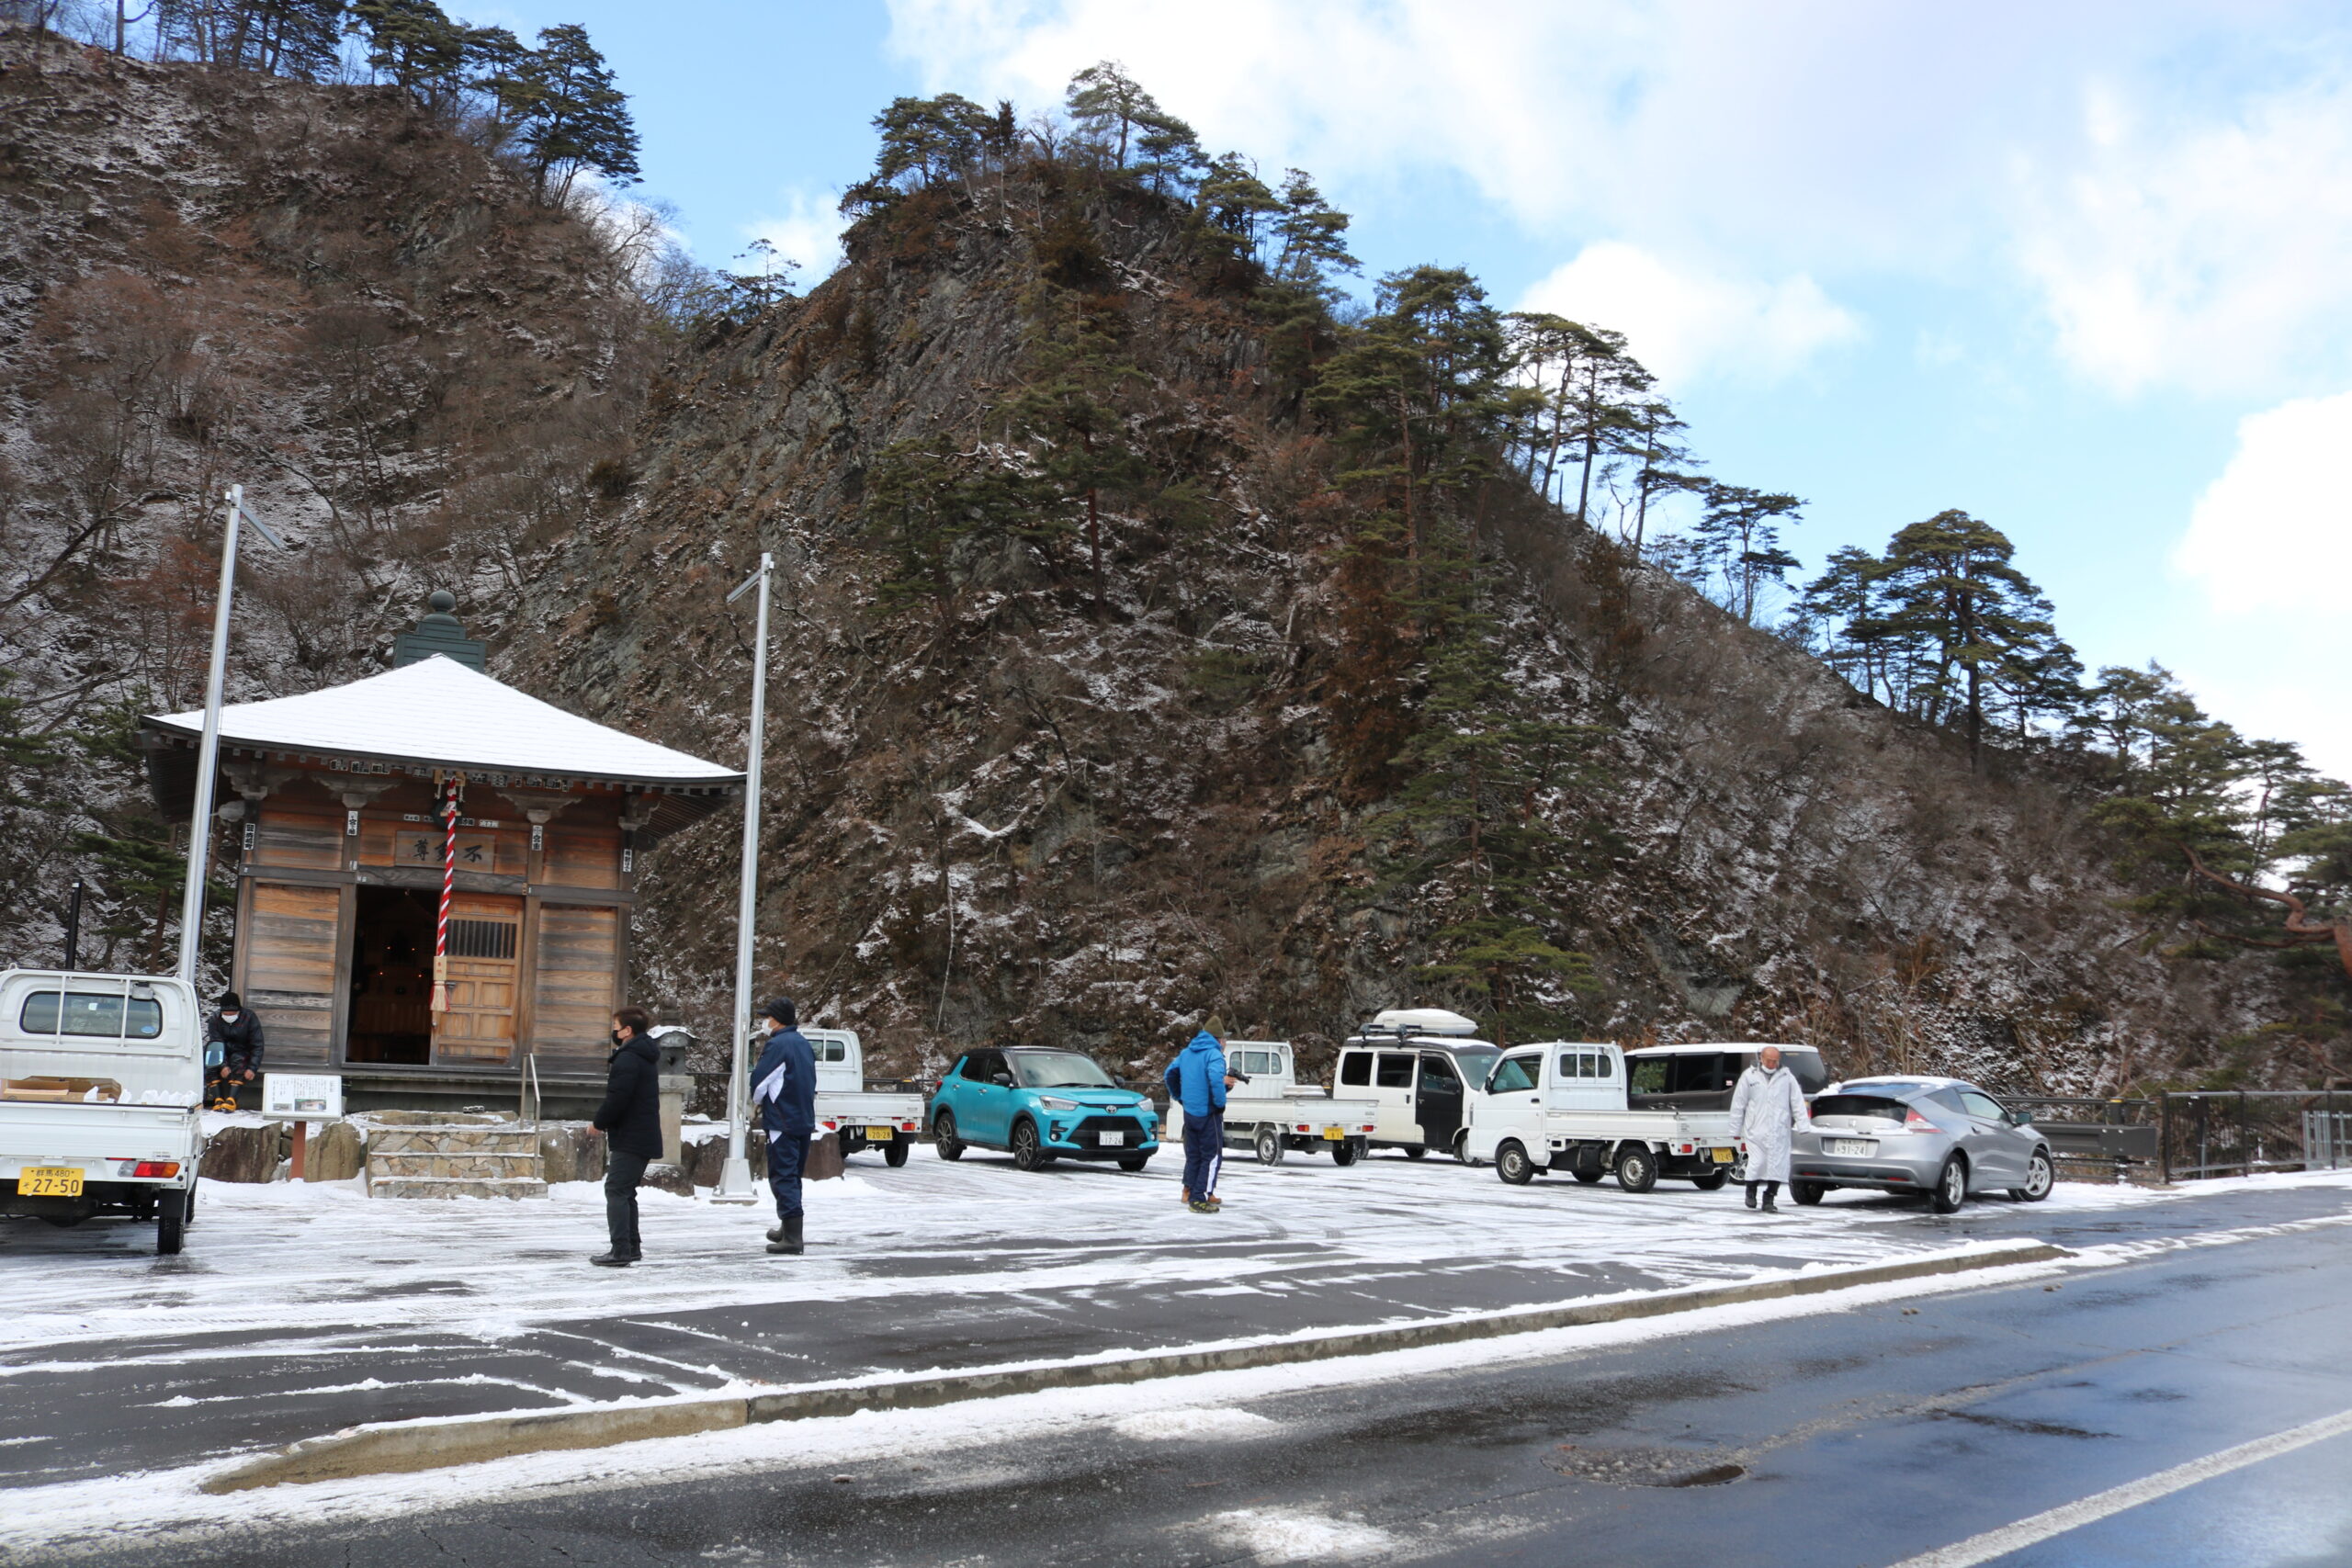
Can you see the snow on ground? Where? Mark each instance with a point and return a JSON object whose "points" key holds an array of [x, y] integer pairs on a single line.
{"points": [[285, 1255]]}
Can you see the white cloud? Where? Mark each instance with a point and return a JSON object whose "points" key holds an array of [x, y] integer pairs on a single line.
{"points": [[2270, 544], [2273, 534], [1686, 323], [2183, 247], [807, 233]]}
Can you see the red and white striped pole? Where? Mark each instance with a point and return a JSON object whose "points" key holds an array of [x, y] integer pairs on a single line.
{"points": [[448, 883]]}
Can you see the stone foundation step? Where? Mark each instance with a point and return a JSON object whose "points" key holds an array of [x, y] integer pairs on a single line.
{"points": [[409, 1140], [456, 1187], [460, 1162]]}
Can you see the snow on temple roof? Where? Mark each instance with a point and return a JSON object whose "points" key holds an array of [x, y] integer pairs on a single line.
{"points": [[438, 711]]}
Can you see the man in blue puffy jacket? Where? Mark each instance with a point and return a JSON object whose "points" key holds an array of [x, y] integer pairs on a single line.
{"points": [[1196, 1080], [784, 1086]]}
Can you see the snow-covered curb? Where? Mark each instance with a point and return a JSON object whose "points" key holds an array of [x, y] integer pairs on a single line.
{"points": [[434, 1443]]}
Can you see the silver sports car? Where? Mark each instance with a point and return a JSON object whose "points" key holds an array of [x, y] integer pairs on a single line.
{"points": [[1939, 1138]]}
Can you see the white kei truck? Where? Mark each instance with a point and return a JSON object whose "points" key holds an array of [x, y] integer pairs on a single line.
{"points": [[101, 1081], [1273, 1111], [1561, 1106], [889, 1120]]}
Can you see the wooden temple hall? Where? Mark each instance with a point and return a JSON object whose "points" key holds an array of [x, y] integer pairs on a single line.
{"points": [[334, 807]]}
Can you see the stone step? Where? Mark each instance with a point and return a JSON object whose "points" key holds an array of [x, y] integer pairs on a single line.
{"points": [[451, 1140], [455, 1187], [440, 1119], [458, 1163]]}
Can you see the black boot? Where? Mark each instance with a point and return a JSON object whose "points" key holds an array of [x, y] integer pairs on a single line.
{"points": [[1771, 1191], [615, 1259], [1751, 1194], [790, 1243]]}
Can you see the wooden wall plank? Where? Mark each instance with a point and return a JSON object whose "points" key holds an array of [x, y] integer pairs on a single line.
{"points": [[291, 950], [579, 953]]}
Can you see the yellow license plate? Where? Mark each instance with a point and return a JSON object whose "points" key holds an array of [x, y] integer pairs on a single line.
{"points": [[49, 1181], [1722, 1156], [878, 1135], [1333, 1135]]}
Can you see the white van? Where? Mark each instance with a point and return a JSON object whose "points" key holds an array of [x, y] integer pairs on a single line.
{"points": [[101, 1076], [1420, 1064]]}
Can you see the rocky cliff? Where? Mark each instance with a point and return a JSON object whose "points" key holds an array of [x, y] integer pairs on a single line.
{"points": [[1012, 794], [1018, 818]]}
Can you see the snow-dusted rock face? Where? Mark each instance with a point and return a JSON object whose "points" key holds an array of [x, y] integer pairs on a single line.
{"points": [[320, 292], [1012, 821], [1009, 820]]}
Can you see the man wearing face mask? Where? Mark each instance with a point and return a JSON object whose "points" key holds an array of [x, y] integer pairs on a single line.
{"points": [[631, 1118], [235, 1033]]}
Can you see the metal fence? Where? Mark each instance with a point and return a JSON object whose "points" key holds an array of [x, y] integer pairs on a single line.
{"points": [[2205, 1133]]}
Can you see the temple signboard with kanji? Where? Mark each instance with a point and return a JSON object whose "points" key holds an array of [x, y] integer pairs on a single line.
{"points": [[349, 813]]}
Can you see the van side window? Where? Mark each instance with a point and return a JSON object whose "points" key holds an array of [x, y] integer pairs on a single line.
{"points": [[1355, 1067], [1512, 1072], [1395, 1070], [1435, 1065], [1648, 1075]]}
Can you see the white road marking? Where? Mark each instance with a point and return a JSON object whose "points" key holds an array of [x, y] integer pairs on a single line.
{"points": [[2057, 1521]]}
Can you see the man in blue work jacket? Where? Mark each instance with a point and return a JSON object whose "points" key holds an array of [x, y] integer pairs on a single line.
{"points": [[784, 1086], [1196, 1080]]}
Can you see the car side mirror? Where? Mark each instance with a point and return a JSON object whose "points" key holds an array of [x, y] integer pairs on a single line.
{"points": [[1002, 1080], [2021, 1118]]}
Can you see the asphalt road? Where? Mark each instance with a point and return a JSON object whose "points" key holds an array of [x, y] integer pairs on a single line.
{"points": [[1866, 1436]]}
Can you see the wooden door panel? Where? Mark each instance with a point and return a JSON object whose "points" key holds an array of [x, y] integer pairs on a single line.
{"points": [[484, 962]]}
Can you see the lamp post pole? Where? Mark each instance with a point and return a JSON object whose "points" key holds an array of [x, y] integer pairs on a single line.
{"points": [[207, 755], [735, 1176]]}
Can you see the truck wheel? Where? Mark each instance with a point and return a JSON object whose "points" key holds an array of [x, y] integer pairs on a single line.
{"points": [[1269, 1146], [1713, 1181], [1028, 1150], [171, 1222], [1951, 1186], [1807, 1194], [894, 1153], [944, 1138], [1636, 1168], [1133, 1162], [1417, 1151], [1514, 1166], [1347, 1151]]}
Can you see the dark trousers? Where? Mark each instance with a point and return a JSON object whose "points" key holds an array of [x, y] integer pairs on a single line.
{"points": [[621, 1173], [1204, 1153], [787, 1153]]}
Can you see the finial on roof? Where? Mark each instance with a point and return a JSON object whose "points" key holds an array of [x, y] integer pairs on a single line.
{"points": [[440, 632]]}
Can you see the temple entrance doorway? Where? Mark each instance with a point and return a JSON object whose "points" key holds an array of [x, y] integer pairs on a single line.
{"points": [[391, 978]]}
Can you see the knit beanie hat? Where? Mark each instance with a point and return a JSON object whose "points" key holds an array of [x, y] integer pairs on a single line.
{"points": [[781, 1010]]}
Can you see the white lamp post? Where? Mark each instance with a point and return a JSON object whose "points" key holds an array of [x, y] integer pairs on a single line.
{"points": [[735, 1176], [207, 755]]}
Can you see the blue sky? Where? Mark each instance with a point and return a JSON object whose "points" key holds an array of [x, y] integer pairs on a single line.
{"points": [[2084, 271]]}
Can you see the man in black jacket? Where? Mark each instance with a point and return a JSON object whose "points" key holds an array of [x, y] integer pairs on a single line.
{"points": [[630, 1119], [237, 1033]]}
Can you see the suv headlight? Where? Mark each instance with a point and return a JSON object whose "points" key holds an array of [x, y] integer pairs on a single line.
{"points": [[1050, 1103]]}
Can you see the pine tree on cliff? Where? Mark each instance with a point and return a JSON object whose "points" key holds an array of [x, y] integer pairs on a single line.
{"points": [[1951, 585], [569, 115]]}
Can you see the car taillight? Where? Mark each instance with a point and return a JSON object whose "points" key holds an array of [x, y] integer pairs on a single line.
{"points": [[162, 1168], [909, 1127], [831, 1124], [1912, 1119]]}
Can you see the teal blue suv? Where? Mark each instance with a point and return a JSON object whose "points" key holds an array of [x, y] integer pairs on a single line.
{"points": [[1043, 1105]]}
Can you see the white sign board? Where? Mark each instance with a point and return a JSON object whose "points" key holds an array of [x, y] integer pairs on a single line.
{"points": [[291, 1096]]}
